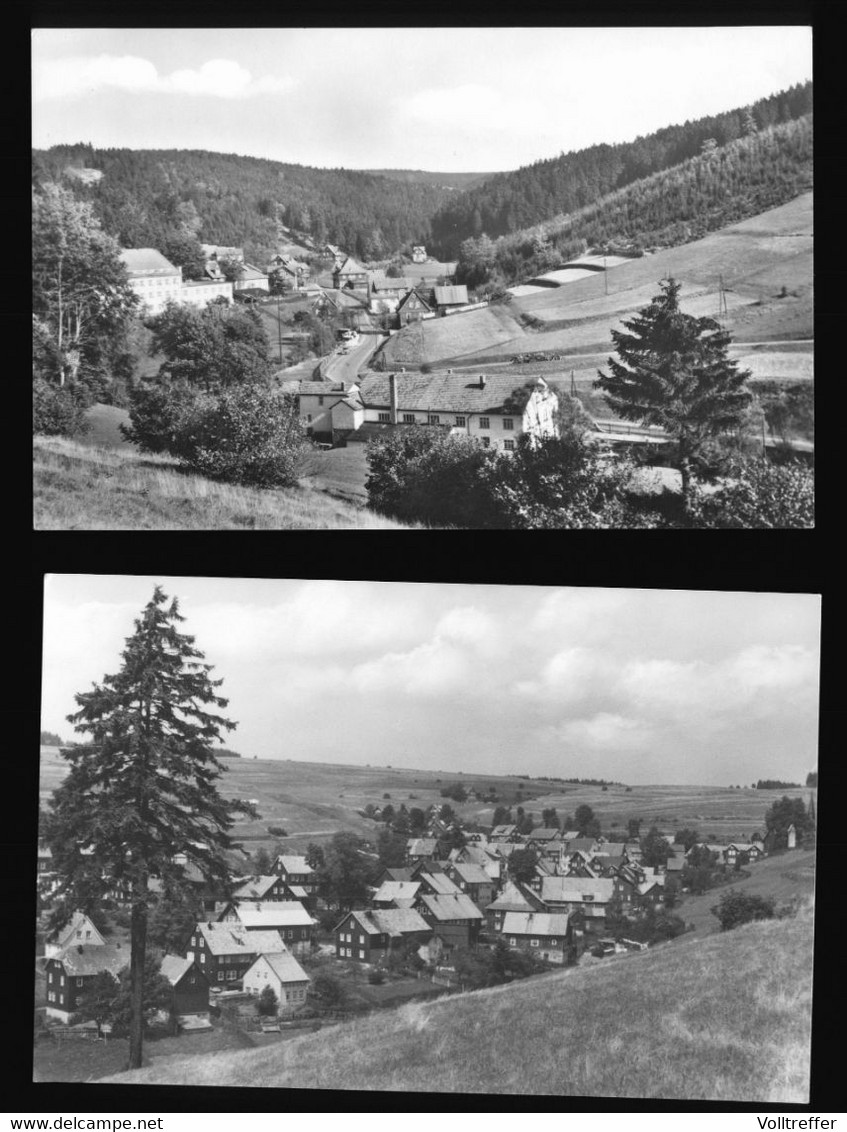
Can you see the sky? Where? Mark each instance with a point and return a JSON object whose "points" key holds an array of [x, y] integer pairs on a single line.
{"points": [[441, 99], [638, 686]]}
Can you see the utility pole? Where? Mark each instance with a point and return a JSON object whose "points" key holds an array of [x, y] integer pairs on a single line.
{"points": [[573, 386], [279, 327]]}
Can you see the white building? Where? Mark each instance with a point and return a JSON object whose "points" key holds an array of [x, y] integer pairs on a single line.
{"points": [[494, 410], [198, 292], [283, 974], [153, 278]]}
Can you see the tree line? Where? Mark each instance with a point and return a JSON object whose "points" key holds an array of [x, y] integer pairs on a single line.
{"points": [[171, 199], [508, 202]]}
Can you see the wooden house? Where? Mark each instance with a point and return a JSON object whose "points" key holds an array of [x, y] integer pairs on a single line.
{"points": [[514, 898], [455, 918], [370, 934], [299, 877], [548, 935], [72, 971], [473, 880], [287, 917], [189, 1006], [578, 894], [350, 275], [261, 888], [280, 971], [396, 894], [79, 930], [225, 951]]}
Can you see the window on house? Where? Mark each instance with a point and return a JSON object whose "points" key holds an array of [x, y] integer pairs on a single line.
{"points": [[79, 934], [62, 980], [291, 933], [202, 957], [220, 976], [483, 422], [79, 982], [308, 416], [513, 941], [461, 421], [434, 418], [361, 955], [508, 424], [384, 418], [408, 418], [231, 974], [509, 445], [320, 400], [533, 943]]}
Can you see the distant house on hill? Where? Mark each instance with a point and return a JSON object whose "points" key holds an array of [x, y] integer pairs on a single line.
{"points": [[154, 279], [548, 935], [456, 919], [411, 308], [369, 935], [419, 254], [578, 894], [449, 298], [296, 871], [350, 275], [514, 898], [421, 848], [473, 880], [224, 951], [288, 917], [396, 894], [260, 888]]}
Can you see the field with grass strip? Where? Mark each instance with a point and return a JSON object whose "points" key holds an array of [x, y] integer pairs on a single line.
{"points": [[80, 487], [725, 1018]]}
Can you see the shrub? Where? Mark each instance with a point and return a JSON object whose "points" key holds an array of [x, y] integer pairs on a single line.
{"points": [[277, 831], [376, 978], [156, 415], [57, 411], [739, 908], [267, 1002], [760, 494], [328, 990]]}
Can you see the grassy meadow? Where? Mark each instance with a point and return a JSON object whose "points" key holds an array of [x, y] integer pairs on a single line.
{"points": [[314, 800], [756, 259], [80, 485], [726, 1018]]}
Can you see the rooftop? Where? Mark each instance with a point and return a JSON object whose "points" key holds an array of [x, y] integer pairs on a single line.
{"points": [[147, 261], [450, 392], [283, 964], [234, 939]]}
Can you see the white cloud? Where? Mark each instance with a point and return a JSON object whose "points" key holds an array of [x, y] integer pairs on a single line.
{"points": [[435, 668], [605, 731], [85, 74], [569, 676]]}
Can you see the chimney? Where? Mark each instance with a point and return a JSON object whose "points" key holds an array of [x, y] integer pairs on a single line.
{"points": [[482, 381], [392, 387]]}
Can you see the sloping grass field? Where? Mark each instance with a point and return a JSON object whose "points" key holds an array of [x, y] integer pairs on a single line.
{"points": [[756, 259], [78, 486], [725, 1018]]}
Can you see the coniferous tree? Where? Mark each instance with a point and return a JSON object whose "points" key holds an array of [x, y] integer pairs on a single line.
{"points": [[144, 788], [675, 372]]}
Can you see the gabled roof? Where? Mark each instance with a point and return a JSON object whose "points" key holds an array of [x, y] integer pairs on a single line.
{"points": [[447, 295], [451, 393], [471, 873], [575, 889], [78, 922], [321, 389], [397, 890], [545, 833], [386, 283], [398, 874], [294, 864], [254, 888], [581, 844], [514, 899], [417, 296], [284, 965], [535, 923], [273, 914], [350, 267], [174, 967], [388, 921], [83, 959], [144, 261], [440, 882], [421, 846], [234, 939], [454, 907], [611, 849]]}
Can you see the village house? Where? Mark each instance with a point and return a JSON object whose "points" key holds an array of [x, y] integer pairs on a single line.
{"points": [[419, 253], [189, 1007], [455, 918], [370, 934], [392, 874], [288, 917], [473, 880], [385, 293], [544, 836], [412, 308], [261, 888], [515, 897], [548, 935], [69, 973], [287, 270], [199, 292], [575, 894], [350, 275], [480, 854], [154, 279], [250, 278], [494, 410], [216, 254], [224, 951], [298, 874], [421, 849], [78, 930], [280, 971], [507, 833], [436, 883]]}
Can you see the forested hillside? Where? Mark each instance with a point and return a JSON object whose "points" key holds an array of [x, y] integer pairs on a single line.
{"points": [[149, 197], [511, 201], [718, 187]]}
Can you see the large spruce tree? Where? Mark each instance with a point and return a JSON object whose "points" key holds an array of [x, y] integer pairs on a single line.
{"points": [[144, 788], [675, 372]]}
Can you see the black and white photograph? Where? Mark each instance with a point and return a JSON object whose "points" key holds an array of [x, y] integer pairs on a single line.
{"points": [[517, 840], [413, 278]]}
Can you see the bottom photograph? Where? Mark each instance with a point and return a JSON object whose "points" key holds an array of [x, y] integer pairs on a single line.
{"points": [[437, 838]]}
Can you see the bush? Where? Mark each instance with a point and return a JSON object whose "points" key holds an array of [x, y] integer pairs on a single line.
{"points": [[57, 411], [267, 1002], [760, 494], [277, 831], [328, 990], [738, 908], [376, 978]]}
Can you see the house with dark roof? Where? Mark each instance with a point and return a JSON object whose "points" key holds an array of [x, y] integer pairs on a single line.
{"points": [[280, 971], [224, 951], [515, 897], [72, 971], [473, 880], [369, 935], [350, 276], [412, 307], [295, 871]]}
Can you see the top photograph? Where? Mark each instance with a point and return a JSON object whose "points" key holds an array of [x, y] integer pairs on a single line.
{"points": [[541, 278]]}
